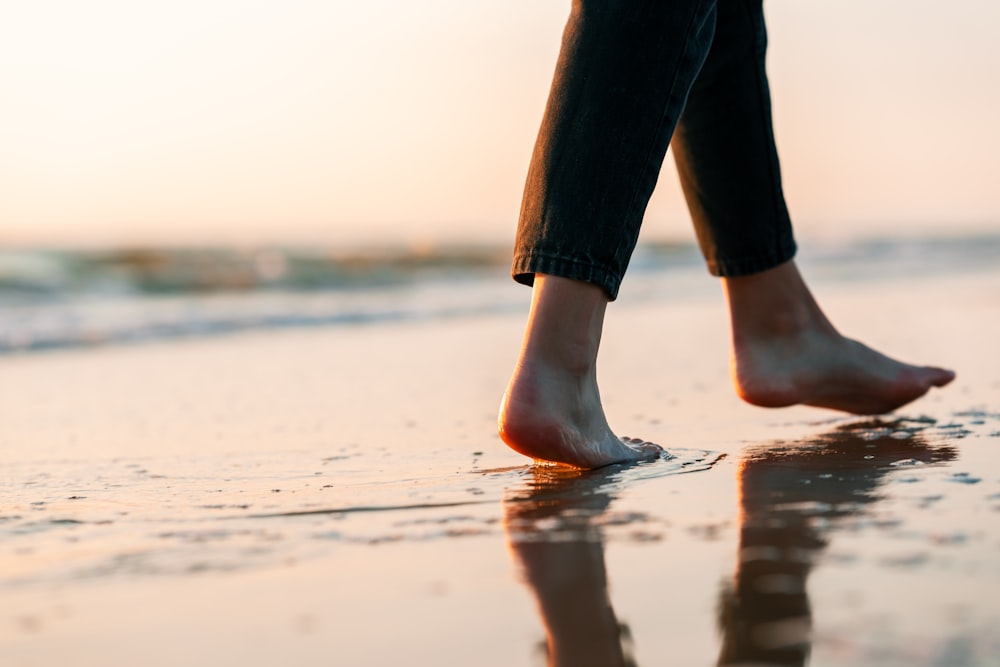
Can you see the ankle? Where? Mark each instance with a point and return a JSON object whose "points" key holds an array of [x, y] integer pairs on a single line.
{"points": [[567, 362], [776, 322], [773, 305], [564, 326]]}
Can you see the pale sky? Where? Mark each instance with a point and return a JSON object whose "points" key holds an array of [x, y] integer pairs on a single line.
{"points": [[333, 121]]}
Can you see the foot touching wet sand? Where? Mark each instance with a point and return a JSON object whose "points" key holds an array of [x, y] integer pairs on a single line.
{"points": [[552, 408], [785, 352], [544, 417]]}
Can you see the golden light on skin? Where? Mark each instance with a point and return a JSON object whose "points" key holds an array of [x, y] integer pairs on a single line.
{"points": [[326, 120]]}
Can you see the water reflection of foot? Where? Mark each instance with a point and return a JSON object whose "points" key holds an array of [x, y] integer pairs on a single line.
{"points": [[785, 489], [792, 495], [553, 528]]}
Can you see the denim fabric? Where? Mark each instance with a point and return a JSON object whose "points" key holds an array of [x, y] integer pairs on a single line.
{"points": [[634, 77]]}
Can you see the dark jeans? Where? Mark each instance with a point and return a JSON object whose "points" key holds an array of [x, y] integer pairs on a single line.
{"points": [[633, 77]]}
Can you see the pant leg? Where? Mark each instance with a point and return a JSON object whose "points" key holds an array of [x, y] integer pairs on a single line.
{"points": [[725, 152], [621, 82]]}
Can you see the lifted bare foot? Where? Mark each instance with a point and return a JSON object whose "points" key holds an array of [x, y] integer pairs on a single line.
{"points": [[786, 352], [552, 408]]}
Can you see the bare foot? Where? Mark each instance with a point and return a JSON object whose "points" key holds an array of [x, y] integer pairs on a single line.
{"points": [[560, 419], [786, 352], [552, 408]]}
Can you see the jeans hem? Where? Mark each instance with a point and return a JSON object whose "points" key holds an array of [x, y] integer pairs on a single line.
{"points": [[526, 265], [734, 268]]}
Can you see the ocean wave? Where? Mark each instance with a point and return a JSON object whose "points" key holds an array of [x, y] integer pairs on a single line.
{"points": [[53, 299]]}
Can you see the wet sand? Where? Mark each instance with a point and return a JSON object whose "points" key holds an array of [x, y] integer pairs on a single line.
{"points": [[340, 497]]}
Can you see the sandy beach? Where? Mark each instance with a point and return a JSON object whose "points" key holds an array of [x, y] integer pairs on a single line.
{"points": [[338, 496]]}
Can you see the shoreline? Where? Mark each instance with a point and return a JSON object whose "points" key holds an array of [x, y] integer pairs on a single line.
{"points": [[140, 474]]}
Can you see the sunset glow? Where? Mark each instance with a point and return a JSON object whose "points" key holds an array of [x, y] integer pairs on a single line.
{"points": [[254, 121]]}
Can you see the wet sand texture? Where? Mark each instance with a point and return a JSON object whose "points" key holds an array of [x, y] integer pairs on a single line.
{"points": [[339, 497]]}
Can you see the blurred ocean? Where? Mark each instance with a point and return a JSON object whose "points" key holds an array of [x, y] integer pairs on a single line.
{"points": [[52, 299]]}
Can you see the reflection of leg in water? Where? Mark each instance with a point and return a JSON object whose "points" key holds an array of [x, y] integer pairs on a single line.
{"points": [[765, 615], [555, 540]]}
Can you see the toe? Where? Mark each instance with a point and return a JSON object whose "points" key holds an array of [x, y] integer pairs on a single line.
{"points": [[939, 377], [646, 450]]}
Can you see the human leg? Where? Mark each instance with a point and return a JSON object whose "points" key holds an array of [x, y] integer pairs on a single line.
{"points": [[552, 407], [725, 151], [620, 84], [785, 350]]}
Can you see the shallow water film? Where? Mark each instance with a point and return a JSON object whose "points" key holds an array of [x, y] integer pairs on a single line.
{"points": [[336, 494]]}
